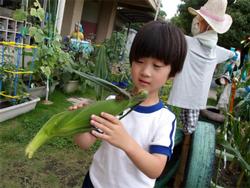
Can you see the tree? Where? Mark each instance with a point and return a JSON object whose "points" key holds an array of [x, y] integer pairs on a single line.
{"points": [[162, 14], [240, 27], [184, 18], [239, 10]]}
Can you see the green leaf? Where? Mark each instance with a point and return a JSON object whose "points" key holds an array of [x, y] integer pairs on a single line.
{"points": [[33, 12], [46, 71], [32, 31], [24, 31], [101, 82], [36, 4], [38, 38], [20, 15], [40, 14], [236, 152]]}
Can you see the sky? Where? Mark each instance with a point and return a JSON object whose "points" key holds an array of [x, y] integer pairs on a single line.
{"points": [[170, 7]]}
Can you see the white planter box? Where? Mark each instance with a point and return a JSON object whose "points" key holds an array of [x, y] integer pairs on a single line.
{"points": [[53, 87], [41, 91], [16, 110], [71, 86], [38, 91]]}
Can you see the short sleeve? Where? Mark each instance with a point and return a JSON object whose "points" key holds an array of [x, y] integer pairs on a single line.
{"points": [[163, 140]]}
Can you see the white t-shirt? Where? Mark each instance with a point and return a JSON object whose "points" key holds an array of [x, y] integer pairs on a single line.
{"points": [[191, 86], [153, 127]]}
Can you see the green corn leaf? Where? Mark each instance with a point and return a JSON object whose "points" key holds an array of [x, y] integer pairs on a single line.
{"points": [[68, 123], [105, 84], [234, 151], [71, 122]]}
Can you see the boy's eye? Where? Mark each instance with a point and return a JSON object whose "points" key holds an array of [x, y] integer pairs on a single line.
{"points": [[157, 66], [139, 61]]}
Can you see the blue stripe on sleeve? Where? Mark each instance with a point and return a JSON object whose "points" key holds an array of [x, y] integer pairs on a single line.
{"points": [[171, 134], [161, 150]]}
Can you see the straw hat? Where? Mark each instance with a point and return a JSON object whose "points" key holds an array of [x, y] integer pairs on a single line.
{"points": [[214, 12]]}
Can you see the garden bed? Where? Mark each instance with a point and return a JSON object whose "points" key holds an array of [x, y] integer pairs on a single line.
{"points": [[8, 111]]}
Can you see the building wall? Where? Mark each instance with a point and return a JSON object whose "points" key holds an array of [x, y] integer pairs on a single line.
{"points": [[67, 17], [106, 20], [91, 11], [90, 16], [72, 14], [78, 7], [59, 15], [97, 16], [98, 19]]}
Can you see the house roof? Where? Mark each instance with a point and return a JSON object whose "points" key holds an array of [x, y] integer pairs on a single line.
{"points": [[136, 10], [132, 16], [144, 4]]}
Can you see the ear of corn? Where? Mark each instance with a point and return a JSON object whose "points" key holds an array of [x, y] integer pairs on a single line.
{"points": [[105, 84], [71, 122]]}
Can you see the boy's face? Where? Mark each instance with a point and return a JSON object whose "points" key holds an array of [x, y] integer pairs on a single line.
{"points": [[150, 74]]}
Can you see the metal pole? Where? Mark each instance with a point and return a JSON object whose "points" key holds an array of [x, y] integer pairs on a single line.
{"points": [[1, 65], [34, 52], [158, 9], [59, 15]]}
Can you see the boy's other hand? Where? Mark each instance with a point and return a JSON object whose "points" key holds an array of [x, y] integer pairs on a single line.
{"points": [[112, 130], [79, 105]]}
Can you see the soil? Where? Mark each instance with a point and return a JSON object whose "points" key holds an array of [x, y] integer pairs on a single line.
{"points": [[227, 177], [7, 103], [4, 104]]}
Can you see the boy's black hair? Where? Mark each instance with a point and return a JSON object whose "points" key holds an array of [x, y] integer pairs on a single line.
{"points": [[160, 40]]}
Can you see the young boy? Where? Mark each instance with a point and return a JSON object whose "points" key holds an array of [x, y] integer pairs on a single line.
{"points": [[135, 149]]}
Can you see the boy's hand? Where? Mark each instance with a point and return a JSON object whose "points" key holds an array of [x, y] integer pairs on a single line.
{"points": [[113, 130]]}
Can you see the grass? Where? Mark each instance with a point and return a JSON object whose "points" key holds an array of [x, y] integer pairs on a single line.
{"points": [[59, 163]]}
